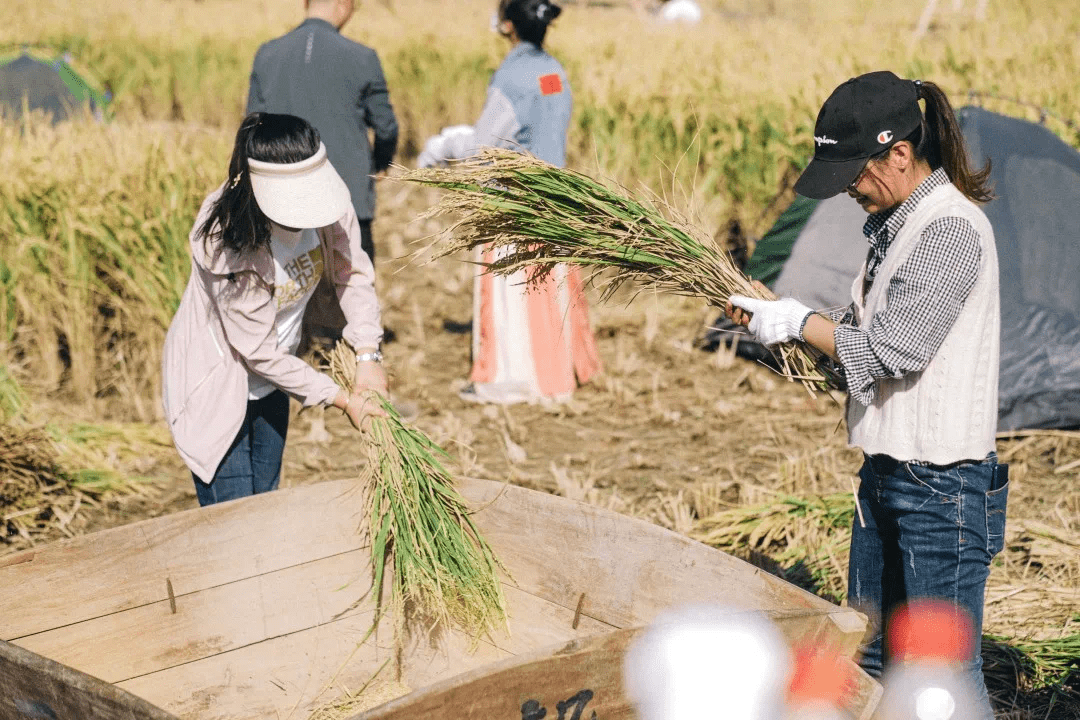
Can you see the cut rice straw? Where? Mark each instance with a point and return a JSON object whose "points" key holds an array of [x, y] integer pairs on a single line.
{"points": [[443, 570], [536, 216]]}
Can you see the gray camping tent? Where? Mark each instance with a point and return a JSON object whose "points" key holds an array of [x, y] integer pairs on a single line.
{"points": [[816, 248], [31, 80]]}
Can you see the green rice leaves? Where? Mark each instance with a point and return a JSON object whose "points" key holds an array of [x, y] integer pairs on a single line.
{"points": [[424, 544]]}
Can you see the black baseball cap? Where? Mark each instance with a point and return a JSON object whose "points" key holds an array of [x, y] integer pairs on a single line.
{"points": [[863, 117]]}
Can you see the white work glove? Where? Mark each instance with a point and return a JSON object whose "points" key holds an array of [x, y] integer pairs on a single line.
{"points": [[454, 142], [434, 152], [773, 321]]}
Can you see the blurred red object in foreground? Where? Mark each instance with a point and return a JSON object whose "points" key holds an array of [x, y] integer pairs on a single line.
{"points": [[929, 628], [820, 685], [929, 642]]}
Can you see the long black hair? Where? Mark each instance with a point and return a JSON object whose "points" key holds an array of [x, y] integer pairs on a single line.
{"points": [[530, 18], [235, 216], [940, 142]]}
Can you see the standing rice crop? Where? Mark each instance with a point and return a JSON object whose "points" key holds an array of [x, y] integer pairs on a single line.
{"points": [[441, 568], [540, 216]]}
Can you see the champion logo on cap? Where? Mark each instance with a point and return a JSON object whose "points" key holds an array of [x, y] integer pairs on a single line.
{"points": [[822, 140], [884, 136]]}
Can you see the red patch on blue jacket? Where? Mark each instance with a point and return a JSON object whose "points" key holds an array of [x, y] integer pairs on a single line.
{"points": [[550, 84]]}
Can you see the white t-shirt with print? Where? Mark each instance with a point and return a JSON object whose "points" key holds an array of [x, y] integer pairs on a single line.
{"points": [[298, 265]]}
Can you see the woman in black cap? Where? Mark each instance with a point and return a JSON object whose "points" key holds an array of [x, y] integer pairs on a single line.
{"points": [[918, 347]]}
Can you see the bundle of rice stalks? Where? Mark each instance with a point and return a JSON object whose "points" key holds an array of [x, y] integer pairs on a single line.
{"points": [[52, 475], [803, 540], [31, 483], [27, 462], [536, 216], [443, 571], [110, 456]]}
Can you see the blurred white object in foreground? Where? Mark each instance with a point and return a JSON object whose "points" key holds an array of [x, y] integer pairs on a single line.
{"points": [[930, 640], [686, 11], [708, 661]]}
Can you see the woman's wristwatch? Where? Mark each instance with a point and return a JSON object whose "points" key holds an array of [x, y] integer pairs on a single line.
{"points": [[375, 356]]}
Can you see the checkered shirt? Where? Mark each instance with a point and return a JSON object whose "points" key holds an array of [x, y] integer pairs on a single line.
{"points": [[924, 297]]}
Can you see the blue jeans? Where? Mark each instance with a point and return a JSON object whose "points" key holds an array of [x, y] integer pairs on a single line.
{"points": [[930, 532], [253, 463]]}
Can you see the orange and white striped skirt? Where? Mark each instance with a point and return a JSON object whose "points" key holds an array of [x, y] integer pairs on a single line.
{"points": [[530, 342]]}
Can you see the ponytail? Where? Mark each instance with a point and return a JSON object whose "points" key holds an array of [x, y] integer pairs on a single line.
{"points": [[941, 144]]}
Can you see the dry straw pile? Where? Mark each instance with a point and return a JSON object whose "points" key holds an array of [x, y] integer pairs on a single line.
{"points": [[50, 477], [55, 477]]}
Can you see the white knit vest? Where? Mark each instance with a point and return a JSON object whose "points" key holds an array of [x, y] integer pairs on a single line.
{"points": [[948, 411]]}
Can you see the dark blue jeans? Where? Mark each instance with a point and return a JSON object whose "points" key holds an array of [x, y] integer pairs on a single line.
{"points": [[253, 463], [931, 532]]}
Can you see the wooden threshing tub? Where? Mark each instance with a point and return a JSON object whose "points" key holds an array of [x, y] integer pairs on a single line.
{"points": [[246, 610]]}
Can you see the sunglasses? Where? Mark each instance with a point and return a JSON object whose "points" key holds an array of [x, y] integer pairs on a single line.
{"points": [[858, 178]]}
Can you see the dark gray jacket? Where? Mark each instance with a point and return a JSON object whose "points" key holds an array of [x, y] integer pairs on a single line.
{"points": [[337, 85]]}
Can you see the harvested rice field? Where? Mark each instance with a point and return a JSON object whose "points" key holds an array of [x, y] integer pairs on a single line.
{"points": [[93, 259], [707, 444]]}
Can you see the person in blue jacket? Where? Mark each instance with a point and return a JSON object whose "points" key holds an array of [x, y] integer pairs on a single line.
{"points": [[530, 343], [528, 102]]}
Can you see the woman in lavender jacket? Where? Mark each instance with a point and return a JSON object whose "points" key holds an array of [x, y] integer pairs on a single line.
{"points": [[261, 241]]}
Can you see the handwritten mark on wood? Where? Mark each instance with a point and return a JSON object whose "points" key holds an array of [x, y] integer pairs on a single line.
{"points": [[533, 710]]}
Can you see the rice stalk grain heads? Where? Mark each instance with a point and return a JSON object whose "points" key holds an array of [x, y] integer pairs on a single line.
{"points": [[804, 540], [442, 570], [536, 216]]}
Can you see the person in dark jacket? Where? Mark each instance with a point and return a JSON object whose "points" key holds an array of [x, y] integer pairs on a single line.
{"points": [[338, 86]]}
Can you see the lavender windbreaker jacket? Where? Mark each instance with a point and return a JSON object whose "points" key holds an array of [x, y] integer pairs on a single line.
{"points": [[225, 327]]}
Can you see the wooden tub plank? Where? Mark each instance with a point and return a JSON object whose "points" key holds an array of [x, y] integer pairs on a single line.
{"points": [[629, 570], [127, 567], [35, 687], [149, 638], [289, 676]]}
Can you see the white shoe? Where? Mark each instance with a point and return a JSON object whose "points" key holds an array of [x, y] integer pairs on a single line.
{"points": [[468, 393]]}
